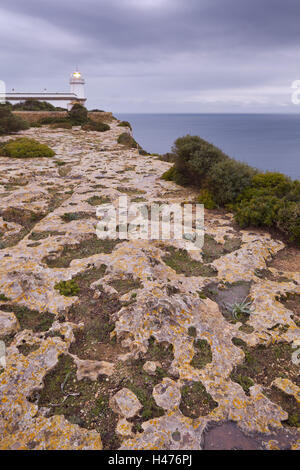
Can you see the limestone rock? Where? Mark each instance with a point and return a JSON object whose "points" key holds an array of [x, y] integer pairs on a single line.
{"points": [[125, 403], [165, 307], [288, 387], [150, 367], [167, 394], [124, 428], [8, 324], [182, 433], [92, 369]]}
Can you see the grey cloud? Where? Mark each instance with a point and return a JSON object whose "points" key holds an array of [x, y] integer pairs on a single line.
{"points": [[169, 52]]}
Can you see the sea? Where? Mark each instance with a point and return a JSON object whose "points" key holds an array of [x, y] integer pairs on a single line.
{"points": [[269, 142]]}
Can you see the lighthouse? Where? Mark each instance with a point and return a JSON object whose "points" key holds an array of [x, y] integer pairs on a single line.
{"points": [[77, 84], [77, 94]]}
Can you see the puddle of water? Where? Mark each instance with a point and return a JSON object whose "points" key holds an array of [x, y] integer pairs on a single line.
{"points": [[234, 293], [228, 436]]}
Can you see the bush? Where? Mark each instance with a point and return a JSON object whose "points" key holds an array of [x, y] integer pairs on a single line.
{"points": [[173, 175], [268, 199], [194, 157], [260, 210], [272, 200], [53, 120], [229, 178], [169, 175], [9, 123], [167, 157], [125, 124], [26, 148], [128, 141], [206, 198], [33, 105], [78, 115], [269, 193], [289, 220], [7, 105], [67, 288], [272, 183], [96, 126]]}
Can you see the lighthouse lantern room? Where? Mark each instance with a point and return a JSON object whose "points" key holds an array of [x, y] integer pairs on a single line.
{"points": [[77, 83]]}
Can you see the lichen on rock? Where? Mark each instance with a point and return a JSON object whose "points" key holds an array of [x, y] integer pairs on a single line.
{"points": [[145, 354]]}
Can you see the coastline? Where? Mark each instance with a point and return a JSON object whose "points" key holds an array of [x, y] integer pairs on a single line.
{"points": [[144, 356]]}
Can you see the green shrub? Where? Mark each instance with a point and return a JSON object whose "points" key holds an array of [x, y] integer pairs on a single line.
{"points": [[127, 140], [78, 115], [26, 148], [276, 184], [3, 298], [227, 179], [125, 124], [259, 210], [33, 105], [7, 105], [272, 200], [169, 175], [289, 220], [257, 199], [53, 120], [167, 157], [9, 123], [293, 194], [173, 175], [67, 288], [96, 126], [194, 157], [206, 198]]}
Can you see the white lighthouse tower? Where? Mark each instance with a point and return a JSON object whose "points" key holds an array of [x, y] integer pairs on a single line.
{"points": [[77, 84]]}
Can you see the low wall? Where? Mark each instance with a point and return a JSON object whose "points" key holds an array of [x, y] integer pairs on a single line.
{"points": [[101, 117], [35, 116]]}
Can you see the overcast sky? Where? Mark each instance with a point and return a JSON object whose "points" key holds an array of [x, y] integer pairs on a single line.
{"points": [[156, 55]]}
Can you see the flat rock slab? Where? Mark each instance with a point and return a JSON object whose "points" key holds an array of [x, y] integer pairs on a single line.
{"points": [[150, 367], [124, 428], [8, 324], [228, 436], [167, 394], [125, 403], [93, 369]]}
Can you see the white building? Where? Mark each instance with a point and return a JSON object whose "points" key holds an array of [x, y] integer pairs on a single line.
{"points": [[76, 95], [77, 83]]}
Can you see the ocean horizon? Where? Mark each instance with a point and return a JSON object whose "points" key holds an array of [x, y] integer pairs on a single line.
{"points": [[269, 142]]}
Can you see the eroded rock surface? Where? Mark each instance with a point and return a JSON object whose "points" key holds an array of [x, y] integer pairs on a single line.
{"points": [[133, 342], [8, 324], [125, 403]]}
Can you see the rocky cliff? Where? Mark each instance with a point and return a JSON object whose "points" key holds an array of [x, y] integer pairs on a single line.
{"points": [[150, 347]]}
